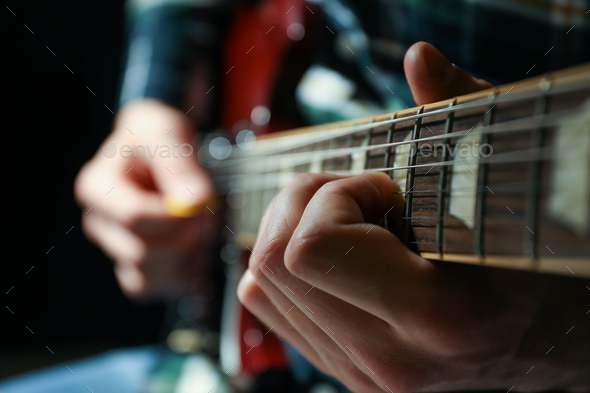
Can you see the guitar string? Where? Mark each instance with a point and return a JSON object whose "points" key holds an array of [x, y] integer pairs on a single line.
{"points": [[540, 154], [469, 246], [508, 218], [498, 188], [339, 152], [251, 182], [450, 219], [469, 250], [324, 135], [255, 164], [481, 102]]}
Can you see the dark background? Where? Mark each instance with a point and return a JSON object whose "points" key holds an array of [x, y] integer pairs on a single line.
{"points": [[51, 123]]}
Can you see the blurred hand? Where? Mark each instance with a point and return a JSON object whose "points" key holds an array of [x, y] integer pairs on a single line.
{"points": [[371, 313], [144, 200]]}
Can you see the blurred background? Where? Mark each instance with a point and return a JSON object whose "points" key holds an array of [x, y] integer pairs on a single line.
{"points": [[53, 281]]}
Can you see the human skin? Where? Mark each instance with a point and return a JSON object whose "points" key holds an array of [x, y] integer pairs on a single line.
{"points": [[148, 212]]}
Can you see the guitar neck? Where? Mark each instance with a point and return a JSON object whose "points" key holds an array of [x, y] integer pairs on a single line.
{"points": [[498, 178]]}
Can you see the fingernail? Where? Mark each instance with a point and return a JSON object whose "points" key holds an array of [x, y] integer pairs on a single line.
{"points": [[438, 67]]}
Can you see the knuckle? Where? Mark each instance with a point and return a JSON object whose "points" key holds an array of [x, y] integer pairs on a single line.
{"points": [[303, 178], [306, 180], [82, 184], [448, 331], [128, 219], [303, 251], [88, 228], [267, 254], [355, 379], [139, 257], [133, 283], [356, 382], [248, 292], [131, 219], [405, 373], [255, 263], [332, 188], [392, 368]]}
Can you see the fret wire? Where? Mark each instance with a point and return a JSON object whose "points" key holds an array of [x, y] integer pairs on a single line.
{"points": [[386, 163], [263, 197], [387, 156], [442, 183], [330, 163], [411, 173], [482, 177], [498, 188], [349, 143], [458, 220], [368, 139], [253, 212], [466, 245], [532, 207], [501, 158], [545, 153], [244, 214], [454, 244], [457, 244]]}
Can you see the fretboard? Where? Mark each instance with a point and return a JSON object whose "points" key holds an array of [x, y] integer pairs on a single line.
{"points": [[498, 178]]}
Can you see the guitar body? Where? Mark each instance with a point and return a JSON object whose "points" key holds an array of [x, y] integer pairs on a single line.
{"points": [[255, 49]]}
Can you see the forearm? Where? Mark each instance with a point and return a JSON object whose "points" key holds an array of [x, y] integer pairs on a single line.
{"points": [[552, 352], [558, 342]]}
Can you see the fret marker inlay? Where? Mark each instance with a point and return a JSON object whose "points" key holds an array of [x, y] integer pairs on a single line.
{"points": [[464, 178], [570, 179]]}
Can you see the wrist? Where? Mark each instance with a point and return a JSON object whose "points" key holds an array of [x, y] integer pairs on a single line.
{"points": [[560, 329]]}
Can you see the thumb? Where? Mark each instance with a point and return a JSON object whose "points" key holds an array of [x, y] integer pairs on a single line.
{"points": [[185, 185], [432, 77]]}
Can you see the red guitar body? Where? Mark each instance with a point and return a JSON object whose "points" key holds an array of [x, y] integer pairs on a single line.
{"points": [[257, 44]]}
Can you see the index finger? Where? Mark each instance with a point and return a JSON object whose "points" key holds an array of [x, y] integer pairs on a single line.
{"points": [[368, 266], [113, 191]]}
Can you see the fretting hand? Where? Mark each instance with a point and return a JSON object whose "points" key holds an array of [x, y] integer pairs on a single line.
{"points": [[371, 313]]}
